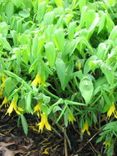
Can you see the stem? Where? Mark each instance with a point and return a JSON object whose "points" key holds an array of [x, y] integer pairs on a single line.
{"points": [[61, 113], [76, 83], [49, 93], [74, 103]]}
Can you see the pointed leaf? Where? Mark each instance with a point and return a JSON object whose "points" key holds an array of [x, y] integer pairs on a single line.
{"points": [[60, 67], [24, 124], [59, 39], [86, 88], [50, 53], [28, 106], [59, 3]]}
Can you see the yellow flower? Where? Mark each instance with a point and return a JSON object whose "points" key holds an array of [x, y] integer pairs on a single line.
{"points": [[13, 106], [5, 101], [112, 111], [85, 128], [37, 80], [46, 151], [107, 144], [71, 117], [37, 108], [44, 123], [10, 109]]}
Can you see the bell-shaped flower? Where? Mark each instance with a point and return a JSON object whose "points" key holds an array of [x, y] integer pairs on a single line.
{"points": [[85, 128], [44, 123]]}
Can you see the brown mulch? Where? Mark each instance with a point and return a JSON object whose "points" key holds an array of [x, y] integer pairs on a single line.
{"points": [[13, 142]]}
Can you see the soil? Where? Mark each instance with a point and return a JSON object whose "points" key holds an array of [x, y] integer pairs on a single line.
{"points": [[13, 142]]}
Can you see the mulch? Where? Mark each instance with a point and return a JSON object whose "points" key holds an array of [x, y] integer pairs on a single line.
{"points": [[67, 142]]}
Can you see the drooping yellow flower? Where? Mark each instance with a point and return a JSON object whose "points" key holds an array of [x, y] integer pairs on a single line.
{"points": [[44, 123], [37, 80], [13, 106], [71, 117], [4, 102], [37, 108], [46, 151], [10, 109], [112, 111], [85, 128], [107, 144]]}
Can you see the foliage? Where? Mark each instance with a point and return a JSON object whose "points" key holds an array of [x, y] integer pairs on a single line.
{"points": [[58, 61]]}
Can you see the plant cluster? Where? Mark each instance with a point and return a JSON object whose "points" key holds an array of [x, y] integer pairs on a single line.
{"points": [[58, 61]]}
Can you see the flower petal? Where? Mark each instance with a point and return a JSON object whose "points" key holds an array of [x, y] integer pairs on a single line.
{"points": [[111, 111]]}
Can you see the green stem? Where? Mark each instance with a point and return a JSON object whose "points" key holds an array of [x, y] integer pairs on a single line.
{"points": [[52, 95], [74, 103], [60, 116]]}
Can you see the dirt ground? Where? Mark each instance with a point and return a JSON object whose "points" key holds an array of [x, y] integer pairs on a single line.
{"points": [[13, 142]]}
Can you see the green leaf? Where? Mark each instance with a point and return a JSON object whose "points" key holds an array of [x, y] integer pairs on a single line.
{"points": [[88, 16], [24, 13], [49, 18], [9, 9], [110, 3], [102, 51], [107, 103], [34, 49], [59, 3], [5, 43], [56, 108], [94, 24], [82, 3], [71, 30], [102, 21], [50, 53], [113, 34], [19, 26], [45, 109], [49, 32], [41, 11], [24, 124], [86, 88], [10, 85], [109, 73], [59, 39], [4, 28], [109, 23], [61, 69], [70, 46], [112, 126], [91, 64], [64, 72], [28, 107]]}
